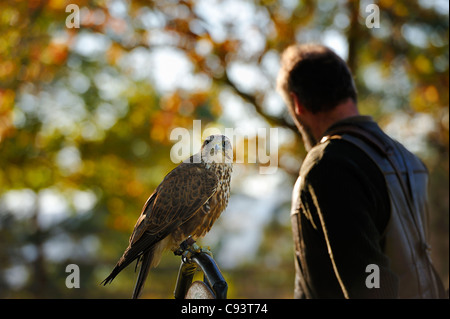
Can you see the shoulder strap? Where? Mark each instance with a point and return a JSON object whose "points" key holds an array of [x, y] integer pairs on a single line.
{"points": [[379, 145]]}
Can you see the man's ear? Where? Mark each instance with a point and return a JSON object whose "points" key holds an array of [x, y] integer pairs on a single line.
{"points": [[299, 109]]}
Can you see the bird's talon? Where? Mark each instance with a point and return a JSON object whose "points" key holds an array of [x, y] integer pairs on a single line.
{"points": [[189, 247], [207, 251]]}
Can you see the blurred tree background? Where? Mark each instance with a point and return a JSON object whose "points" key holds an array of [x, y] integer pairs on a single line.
{"points": [[86, 115]]}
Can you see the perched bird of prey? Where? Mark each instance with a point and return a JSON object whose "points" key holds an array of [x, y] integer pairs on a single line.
{"points": [[186, 203]]}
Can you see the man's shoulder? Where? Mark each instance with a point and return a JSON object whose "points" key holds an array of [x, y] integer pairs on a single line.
{"points": [[342, 167], [331, 150]]}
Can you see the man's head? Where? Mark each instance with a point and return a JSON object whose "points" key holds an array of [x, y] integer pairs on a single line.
{"points": [[315, 79]]}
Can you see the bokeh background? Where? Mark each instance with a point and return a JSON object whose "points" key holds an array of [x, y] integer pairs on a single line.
{"points": [[86, 115]]}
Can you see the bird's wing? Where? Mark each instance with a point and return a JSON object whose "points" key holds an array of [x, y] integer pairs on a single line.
{"points": [[179, 196]]}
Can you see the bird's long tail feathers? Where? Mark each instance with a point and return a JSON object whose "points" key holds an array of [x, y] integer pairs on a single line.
{"points": [[147, 258], [128, 257], [131, 253]]}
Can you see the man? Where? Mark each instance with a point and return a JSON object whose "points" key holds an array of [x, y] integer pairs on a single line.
{"points": [[359, 205]]}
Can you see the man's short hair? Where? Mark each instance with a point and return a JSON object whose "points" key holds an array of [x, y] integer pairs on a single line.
{"points": [[317, 76]]}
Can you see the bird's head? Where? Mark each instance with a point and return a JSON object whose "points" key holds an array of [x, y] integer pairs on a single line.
{"points": [[217, 149]]}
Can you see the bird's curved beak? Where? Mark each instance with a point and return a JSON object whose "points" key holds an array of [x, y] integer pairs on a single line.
{"points": [[216, 148]]}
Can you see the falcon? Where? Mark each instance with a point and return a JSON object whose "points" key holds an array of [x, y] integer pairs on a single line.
{"points": [[187, 203]]}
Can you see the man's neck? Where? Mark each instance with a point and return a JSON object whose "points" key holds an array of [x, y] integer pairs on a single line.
{"points": [[324, 120]]}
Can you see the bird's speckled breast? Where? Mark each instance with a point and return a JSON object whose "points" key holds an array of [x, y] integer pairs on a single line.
{"points": [[219, 201], [203, 220]]}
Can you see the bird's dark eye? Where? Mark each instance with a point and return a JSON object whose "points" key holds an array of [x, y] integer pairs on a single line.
{"points": [[224, 143], [207, 141]]}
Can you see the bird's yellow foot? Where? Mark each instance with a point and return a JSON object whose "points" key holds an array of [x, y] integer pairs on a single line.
{"points": [[189, 247]]}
